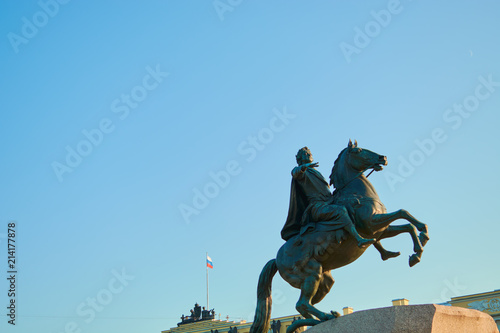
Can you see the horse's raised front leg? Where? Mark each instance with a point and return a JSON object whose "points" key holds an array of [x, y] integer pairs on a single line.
{"points": [[394, 230], [384, 253], [380, 221], [418, 240]]}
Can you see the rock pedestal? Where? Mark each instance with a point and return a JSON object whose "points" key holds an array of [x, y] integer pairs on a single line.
{"points": [[425, 318]]}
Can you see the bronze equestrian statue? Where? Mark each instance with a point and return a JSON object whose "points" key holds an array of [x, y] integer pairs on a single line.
{"points": [[325, 231]]}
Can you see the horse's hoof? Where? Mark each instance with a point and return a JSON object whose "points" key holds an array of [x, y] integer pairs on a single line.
{"points": [[331, 315], [301, 323], [424, 238], [335, 314], [414, 259], [423, 228]]}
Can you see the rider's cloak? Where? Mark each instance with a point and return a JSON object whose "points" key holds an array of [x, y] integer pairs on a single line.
{"points": [[298, 204], [310, 191]]}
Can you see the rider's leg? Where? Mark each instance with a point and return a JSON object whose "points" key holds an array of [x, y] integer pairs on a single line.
{"points": [[361, 241], [343, 217]]}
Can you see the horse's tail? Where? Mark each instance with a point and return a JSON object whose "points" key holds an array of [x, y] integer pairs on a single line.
{"points": [[262, 318]]}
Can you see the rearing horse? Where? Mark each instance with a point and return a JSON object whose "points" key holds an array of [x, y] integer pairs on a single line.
{"points": [[305, 261]]}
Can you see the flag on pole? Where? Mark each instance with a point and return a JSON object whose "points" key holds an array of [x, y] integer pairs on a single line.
{"points": [[209, 262]]}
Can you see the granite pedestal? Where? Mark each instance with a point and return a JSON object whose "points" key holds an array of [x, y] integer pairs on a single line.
{"points": [[424, 318]]}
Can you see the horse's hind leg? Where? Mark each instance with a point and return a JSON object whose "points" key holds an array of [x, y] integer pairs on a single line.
{"points": [[309, 288], [325, 285]]}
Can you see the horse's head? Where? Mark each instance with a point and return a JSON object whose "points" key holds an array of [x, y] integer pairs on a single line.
{"points": [[354, 160]]}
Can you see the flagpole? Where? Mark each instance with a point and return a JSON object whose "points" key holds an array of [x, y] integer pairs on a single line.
{"points": [[206, 258]]}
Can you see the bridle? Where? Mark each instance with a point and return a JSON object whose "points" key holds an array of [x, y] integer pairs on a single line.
{"points": [[359, 174]]}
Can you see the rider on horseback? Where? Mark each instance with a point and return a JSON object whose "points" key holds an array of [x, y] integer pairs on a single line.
{"points": [[311, 202]]}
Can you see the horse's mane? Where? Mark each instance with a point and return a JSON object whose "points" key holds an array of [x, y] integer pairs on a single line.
{"points": [[337, 170]]}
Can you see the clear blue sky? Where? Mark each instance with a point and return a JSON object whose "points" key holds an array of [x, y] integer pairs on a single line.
{"points": [[172, 92]]}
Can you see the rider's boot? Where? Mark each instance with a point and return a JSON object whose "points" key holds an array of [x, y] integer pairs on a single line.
{"points": [[362, 242]]}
